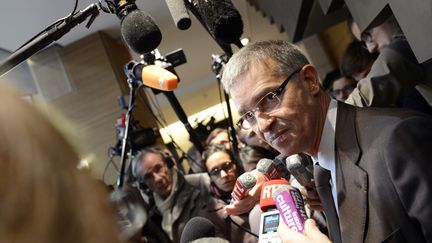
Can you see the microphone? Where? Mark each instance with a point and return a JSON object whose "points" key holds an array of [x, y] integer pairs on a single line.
{"points": [[244, 183], [221, 19], [196, 228], [300, 166], [268, 169], [154, 76], [138, 28], [179, 13], [267, 191], [270, 216], [289, 202], [279, 162]]}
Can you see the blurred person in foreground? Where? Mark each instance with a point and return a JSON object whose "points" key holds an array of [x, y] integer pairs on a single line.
{"points": [[44, 197], [377, 160]]}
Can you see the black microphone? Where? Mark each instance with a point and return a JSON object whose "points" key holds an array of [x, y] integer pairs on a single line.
{"points": [[279, 162], [301, 167], [196, 228], [221, 18], [179, 13], [138, 28]]}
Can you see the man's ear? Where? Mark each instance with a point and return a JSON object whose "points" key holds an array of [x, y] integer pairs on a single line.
{"points": [[309, 75]]}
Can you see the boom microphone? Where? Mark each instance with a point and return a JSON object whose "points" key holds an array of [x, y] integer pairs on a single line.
{"points": [[301, 168], [138, 28], [221, 18], [179, 13], [154, 76], [244, 183]]}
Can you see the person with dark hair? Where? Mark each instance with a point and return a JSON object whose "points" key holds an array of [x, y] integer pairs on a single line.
{"points": [[396, 79], [219, 136], [223, 171], [177, 198], [250, 155], [357, 61], [339, 86], [372, 166]]}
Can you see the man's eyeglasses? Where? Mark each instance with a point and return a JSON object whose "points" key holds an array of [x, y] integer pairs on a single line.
{"points": [[227, 167], [265, 105]]}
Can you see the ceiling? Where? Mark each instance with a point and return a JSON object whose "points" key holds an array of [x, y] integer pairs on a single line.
{"points": [[20, 21]]}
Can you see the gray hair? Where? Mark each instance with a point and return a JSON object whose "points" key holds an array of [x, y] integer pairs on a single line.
{"points": [[287, 57]]}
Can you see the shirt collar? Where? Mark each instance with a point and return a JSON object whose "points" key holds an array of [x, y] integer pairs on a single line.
{"points": [[326, 150]]}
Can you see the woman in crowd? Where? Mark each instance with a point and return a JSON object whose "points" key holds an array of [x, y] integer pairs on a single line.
{"points": [[223, 171]]}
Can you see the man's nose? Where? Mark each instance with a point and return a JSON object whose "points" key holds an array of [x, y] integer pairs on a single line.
{"points": [[263, 121]]}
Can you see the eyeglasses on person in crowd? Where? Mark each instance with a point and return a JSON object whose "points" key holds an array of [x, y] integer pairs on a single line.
{"points": [[346, 89], [227, 167]]}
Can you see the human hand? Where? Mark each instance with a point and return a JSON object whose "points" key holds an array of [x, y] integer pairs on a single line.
{"points": [[312, 199], [248, 202], [311, 234]]}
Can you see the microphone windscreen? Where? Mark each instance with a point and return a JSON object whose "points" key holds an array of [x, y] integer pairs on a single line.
{"points": [[179, 13], [196, 228], [222, 19], [158, 78], [290, 204], [268, 169], [299, 166], [140, 32]]}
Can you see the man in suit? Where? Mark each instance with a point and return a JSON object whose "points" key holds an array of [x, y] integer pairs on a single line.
{"points": [[372, 170]]}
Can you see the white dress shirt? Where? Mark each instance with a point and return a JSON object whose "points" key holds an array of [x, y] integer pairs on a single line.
{"points": [[326, 152]]}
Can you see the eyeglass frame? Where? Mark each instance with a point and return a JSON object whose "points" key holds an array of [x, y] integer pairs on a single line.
{"points": [[276, 93], [215, 172]]}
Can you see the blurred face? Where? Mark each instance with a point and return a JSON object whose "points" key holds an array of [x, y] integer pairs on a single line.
{"points": [[375, 39], [342, 88], [362, 74], [223, 171], [251, 139], [156, 174], [223, 139], [292, 126]]}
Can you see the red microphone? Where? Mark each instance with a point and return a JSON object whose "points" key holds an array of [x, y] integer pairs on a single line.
{"points": [[268, 188], [268, 169], [156, 77], [244, 183]]}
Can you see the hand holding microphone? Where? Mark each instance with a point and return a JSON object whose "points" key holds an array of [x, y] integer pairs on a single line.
{"points": [[311, 234], [246, 193], [266, 170]]}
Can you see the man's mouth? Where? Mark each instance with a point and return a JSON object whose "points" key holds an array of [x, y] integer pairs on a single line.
{"points": [[274, 138]]}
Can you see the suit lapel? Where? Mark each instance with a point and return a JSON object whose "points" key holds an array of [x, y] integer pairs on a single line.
{"points": [[351, 180]]}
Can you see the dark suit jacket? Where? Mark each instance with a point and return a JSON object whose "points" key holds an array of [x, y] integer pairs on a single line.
{"points": [[384, 175]]}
